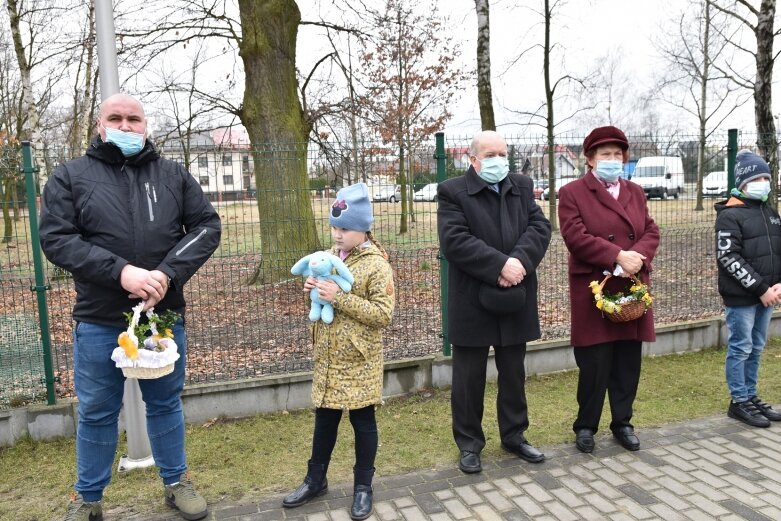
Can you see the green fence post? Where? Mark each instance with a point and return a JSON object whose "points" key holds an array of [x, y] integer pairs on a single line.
{"points": [[732, 151], [40, 287], [441, 158]]}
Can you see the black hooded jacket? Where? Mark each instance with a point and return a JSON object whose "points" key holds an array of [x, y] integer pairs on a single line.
{"points": [[748, 250], [103, 211]]}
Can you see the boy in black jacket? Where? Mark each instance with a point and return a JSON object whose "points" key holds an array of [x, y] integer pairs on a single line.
{"points": [[748, 252]]}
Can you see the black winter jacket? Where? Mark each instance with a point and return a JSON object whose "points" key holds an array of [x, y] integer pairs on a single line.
{"points": [[748, 250], [103, 211], [479, 230]]}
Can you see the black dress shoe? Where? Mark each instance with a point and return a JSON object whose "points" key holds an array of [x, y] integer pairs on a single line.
{"points": [[627, 438], [584, 440], [362, 502], [469, 462], [525, 452], [308, 490]]}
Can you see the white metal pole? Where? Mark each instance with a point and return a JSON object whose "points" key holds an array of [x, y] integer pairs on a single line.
{"points": [[139, 452]]}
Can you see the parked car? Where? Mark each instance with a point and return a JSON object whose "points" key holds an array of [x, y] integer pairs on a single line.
{"points": [[390, 194], [427, 193], [715, 184], [559, 184]]}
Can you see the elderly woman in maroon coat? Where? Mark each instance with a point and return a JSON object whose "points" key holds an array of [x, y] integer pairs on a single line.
{"points": [[606, 226]]}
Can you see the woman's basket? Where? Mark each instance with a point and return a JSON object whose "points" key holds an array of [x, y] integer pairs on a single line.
{"points": [[627, 311]]}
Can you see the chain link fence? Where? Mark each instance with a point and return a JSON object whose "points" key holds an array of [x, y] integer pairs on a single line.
{"points": [[240, 328]]}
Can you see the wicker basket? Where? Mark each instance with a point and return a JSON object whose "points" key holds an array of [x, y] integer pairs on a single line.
{"points": [[147, 373], [629, 311]]}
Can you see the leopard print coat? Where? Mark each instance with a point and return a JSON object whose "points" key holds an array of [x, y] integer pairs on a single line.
{"points": [[348, 368]]}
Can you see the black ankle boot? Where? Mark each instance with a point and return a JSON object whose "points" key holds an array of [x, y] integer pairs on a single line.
{"points": [[315, 483], [362, 494]]}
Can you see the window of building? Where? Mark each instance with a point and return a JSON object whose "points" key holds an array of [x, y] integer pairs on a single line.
{"points": [[245, 180], [204, 180], [245, 163], [203, 161], [227, 160], [227, 180]]}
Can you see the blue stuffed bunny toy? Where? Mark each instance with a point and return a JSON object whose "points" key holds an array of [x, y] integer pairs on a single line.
{"points": [[321, 265]]}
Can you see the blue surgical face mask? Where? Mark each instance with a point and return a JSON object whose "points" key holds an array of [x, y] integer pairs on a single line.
{"points": [[493, 169], [130, 143], [609, 170], [758, 190]]}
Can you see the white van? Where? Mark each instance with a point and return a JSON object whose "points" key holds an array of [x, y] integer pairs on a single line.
{"points": [[660, 176]]}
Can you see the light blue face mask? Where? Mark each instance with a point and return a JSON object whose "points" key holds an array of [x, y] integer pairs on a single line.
{"points": [[493, 169], [130, 143], [609, 170], [758, 190]]}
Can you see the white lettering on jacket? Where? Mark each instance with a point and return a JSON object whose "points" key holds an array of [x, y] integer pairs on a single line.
{"points": [[730, 263]]}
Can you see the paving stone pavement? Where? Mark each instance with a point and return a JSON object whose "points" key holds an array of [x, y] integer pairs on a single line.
{"points": [[709, 469]]}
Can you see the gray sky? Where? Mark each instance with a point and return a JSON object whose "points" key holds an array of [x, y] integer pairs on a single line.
{"points": [[585, 30]]}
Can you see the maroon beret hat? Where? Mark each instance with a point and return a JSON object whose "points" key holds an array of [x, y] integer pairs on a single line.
{"points": [[602, 135]]}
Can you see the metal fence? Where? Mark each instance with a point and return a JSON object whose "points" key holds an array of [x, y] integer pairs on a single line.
{"points": [[239, 329]]}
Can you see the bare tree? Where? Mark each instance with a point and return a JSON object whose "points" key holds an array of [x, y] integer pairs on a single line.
{"points": [[484, 95], [760, 21], [411, 80], [694, 86], [186, 106], [555, 92]]}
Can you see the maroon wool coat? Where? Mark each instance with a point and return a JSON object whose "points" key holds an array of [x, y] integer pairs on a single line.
{"points": [[595, 228]]}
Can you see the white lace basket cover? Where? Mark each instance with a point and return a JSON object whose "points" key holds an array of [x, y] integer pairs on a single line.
{"points": [[149, 364]]}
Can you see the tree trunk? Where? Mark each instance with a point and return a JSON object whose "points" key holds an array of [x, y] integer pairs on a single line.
{"points": [[88, 101], [403, 127], [549, 123], [278, 130], [703, 115], [8, 229], [484, 95], [763, 86], [28, 98]]}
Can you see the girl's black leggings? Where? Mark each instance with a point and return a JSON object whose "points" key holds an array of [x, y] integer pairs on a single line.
{"points": [[365, 427]]}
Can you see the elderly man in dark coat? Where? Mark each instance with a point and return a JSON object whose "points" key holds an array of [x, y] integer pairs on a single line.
{"points": [[494, 236]]}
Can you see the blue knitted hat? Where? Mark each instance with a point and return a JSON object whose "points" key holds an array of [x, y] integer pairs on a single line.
{"points": [[749, 166], [352, 209]]}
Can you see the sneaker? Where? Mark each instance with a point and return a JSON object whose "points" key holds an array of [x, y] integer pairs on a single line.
{"points": [[766, 410], [748, 413], [80, 510], [183, 497]]}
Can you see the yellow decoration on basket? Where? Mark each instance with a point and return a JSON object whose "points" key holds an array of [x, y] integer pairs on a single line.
{"points": [[127, 343], [636, 300]]}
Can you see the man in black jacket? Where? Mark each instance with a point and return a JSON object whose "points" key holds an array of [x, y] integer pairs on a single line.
{"points": [[748, 249], [129, 226], [493, 235]]}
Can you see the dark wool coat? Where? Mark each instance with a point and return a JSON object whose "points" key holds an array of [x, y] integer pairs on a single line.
{"points": [[479, 230], [596, 227]]}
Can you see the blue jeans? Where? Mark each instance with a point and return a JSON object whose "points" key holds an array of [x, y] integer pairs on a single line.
{"points": [[99, 388], [746, 337]]}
